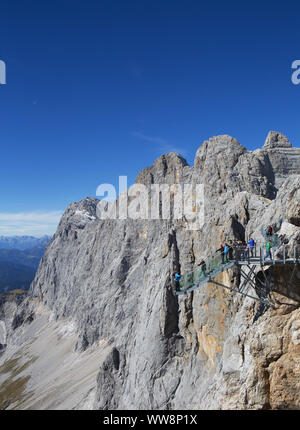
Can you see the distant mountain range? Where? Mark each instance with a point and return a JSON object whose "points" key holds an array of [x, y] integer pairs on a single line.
{"points": [[19, 259], [14, 276], [23, 242]]}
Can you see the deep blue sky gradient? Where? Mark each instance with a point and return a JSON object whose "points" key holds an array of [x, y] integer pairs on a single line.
{"points": [[98, 89]]}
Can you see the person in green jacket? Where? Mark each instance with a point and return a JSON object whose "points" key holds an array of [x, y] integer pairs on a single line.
{"points": [[268, 250]]}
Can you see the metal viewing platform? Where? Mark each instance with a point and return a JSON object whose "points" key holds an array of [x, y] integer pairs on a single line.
{"points": [[245, 260]]}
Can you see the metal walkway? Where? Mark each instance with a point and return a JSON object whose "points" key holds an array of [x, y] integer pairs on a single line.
{"points": [[240, 258]]}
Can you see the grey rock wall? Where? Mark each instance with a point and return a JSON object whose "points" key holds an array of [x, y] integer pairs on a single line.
{"points": [[202, 351]]}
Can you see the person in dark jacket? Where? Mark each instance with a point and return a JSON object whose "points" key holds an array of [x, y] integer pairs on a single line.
{"points": [[221, 249], [230, 252], [203, 267]]}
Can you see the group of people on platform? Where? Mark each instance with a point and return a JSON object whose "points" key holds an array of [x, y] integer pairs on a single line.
{"points": [[243, 251]]}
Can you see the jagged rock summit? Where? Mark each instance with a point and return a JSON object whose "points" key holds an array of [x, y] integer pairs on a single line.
{"points": [[276, 140], [102, 329], [283, 157]]}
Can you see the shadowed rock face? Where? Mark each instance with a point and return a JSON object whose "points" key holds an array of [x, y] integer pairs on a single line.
{"points": [[110, 281]]}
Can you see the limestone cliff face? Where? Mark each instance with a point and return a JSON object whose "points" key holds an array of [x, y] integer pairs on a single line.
{"points": [[103, 292], [283, 157]]}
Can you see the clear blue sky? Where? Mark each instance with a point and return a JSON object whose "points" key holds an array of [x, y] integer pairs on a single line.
{"points": [[98, 89]]}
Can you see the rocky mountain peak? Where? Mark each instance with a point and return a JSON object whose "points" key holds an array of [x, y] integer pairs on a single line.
{"points": [[276, 140], [168, 168], [224, 164], [284, 159], [223, 147]]}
